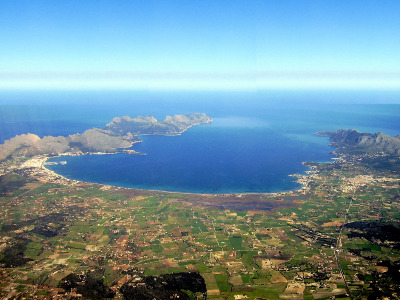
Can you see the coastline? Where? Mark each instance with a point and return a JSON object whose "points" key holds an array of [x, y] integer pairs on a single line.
{"points": [[239, 201], [37, 164], [47, 174], [37, 169]]}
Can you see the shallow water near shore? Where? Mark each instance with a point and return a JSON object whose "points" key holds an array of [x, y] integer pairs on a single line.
{"points": [[253, 144]]}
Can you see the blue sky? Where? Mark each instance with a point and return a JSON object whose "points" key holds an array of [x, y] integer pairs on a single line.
{"points": [[246, 44]]}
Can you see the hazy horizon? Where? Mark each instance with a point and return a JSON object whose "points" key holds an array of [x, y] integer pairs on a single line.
{"points": [[200, 45]]}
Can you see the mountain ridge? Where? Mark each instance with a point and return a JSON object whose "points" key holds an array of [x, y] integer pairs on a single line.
{"points": [[120, 133], [354, 141]]}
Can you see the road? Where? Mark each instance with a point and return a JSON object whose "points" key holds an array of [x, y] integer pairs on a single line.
{"points": [[339, 245]]}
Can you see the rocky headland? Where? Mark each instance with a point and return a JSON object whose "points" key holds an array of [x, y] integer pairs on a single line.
{"points": [[351, 141], [121, 133], [149, 125]]}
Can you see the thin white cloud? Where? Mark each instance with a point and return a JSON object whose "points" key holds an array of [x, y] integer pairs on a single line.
{"points": [[201, 81]]}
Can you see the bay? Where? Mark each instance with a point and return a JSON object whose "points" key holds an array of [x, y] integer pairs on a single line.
{"points": [[256, 140]]}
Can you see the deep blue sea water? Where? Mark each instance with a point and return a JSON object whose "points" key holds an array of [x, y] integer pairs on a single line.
{"points": [[256, 140]]}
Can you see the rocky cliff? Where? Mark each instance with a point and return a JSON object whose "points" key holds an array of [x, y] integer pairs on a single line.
{"points": [[120, 133], [149, 125], [351, 140]]}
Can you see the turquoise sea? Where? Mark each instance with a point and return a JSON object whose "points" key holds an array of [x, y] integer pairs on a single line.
{"points": [[256, 139]]}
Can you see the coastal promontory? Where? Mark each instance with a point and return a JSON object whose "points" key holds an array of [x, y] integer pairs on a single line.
{"points": [[121, 133], [149, 125], [351, 141]]}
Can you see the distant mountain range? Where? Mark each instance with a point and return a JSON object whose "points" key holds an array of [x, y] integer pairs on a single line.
{"points": [[354, 142], [120, 133]]}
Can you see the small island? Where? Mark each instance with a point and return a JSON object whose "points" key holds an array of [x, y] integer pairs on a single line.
{"points": [[121, 133]]}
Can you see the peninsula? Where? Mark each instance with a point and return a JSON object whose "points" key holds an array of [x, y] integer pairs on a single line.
{"points": [[121, 133], [349, 141]]}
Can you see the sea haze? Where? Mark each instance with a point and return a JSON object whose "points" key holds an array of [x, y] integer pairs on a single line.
{"points": [[253, 144]]}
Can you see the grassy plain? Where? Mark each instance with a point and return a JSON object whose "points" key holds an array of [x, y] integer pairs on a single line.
{"points": [[50, 230]]}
